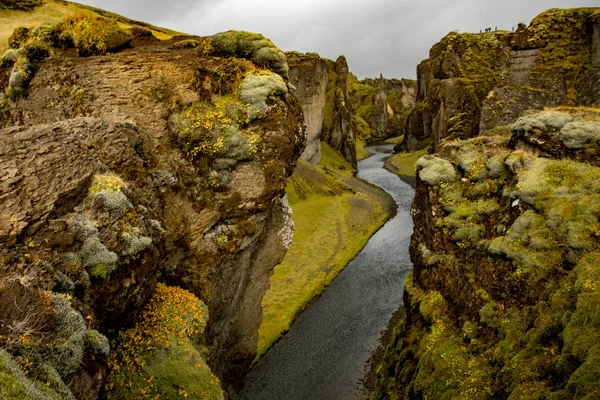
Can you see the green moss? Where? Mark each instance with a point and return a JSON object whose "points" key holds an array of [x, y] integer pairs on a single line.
{"points": [[217, 133], [585, 381], [406, 163], [161, 356], [255, 90], [252, 46], [435, 170]]}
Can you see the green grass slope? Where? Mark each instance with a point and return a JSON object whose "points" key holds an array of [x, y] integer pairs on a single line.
{"points": [[335, 214]]}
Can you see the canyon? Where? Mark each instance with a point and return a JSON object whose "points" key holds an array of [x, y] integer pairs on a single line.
{"points": [[163, 198]]}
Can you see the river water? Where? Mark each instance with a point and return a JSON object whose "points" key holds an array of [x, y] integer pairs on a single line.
{"points": [[324, 354]]}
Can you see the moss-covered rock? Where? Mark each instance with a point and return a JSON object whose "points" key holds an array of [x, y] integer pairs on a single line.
{"points": [[509, 255], [255, 90], [435, 170], [252, 46], [162, 356]]}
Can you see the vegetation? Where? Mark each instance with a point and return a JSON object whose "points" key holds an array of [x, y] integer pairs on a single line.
{"points": [[252, 46], [333, 221], [502, 306], [54, 11], [162, 357], [217, 134], [406, 163]]}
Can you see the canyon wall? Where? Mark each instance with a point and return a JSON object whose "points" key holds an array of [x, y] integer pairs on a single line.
{"points": [[163, 161], [382, 106], [476, 83]]}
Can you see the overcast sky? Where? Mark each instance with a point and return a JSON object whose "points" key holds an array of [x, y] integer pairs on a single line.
{"points": [[376, 36]]}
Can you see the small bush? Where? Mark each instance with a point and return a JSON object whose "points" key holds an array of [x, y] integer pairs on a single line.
{"points": [[140, 31], [20, 76], [66, 353], [185, 44], [97, 259], [136, 243], [95, 35], [97, 342], [9, 58], [18, 38], [159, 356], [215, 132], [116, 203]]}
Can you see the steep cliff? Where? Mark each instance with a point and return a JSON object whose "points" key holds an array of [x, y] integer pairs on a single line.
{"points": [[309, 75], [475, 83], [382, 106], [149, 161], [502, 300]]}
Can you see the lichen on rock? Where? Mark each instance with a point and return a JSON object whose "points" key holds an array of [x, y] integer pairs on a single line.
{"points": [[435, 170]]}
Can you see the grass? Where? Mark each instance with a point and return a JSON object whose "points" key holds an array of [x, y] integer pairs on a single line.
{"points": [[395, 140], [405, 163], [332, 225], [52, 11], [361, 153]]}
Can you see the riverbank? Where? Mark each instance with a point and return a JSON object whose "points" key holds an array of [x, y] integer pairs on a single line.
{"points": [[327, 348], [335, 214]]}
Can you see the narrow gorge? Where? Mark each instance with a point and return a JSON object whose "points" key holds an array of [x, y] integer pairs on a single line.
{"points": [[210, 217]]}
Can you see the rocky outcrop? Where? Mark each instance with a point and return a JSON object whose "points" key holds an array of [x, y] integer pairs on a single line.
{"points": [[309, 74], [501, 301], [322, 88], [146, 166], [475, 83], [384, 104], [341, 134]]}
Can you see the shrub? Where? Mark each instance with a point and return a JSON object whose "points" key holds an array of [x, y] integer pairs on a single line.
{"points": [[97, 259], [185, 44], [97, 342], [54, 35], [215, 132], [159, 356], [9, 57], [140, 31], [116, 203], [95, 35], [66, 353], [36, 51], [136, 243], [20, 76], [255, 90], [18, 37]]}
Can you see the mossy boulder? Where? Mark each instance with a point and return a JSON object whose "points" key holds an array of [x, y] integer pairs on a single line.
{"points": [[434, 170], [255, 90], [252, 46]]}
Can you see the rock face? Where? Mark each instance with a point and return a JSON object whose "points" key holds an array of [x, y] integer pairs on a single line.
{"points": [[109, 185], [384, 104], [473, 83], [501, 302], [309, 74], [322, 88], [342, 134]]}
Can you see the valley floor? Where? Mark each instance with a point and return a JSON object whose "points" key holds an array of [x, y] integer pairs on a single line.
{"points": [[335, 214]]}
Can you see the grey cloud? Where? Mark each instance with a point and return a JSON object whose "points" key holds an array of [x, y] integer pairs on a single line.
{"points": [[376, 36]]}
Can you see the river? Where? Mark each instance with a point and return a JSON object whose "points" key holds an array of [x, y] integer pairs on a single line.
{"points": [[324, 355]]}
